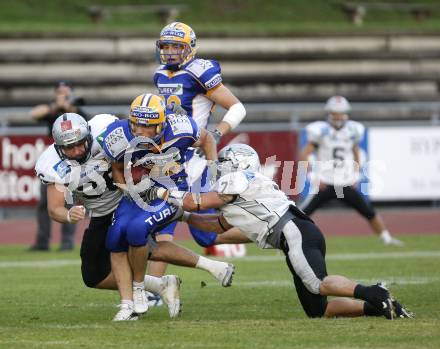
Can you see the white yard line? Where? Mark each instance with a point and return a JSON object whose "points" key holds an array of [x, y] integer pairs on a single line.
{"points": [[40, 263], [391, 280], [350, 256], [337, 256]]}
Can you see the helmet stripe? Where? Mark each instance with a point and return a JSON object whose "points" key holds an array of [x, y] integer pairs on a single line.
{"points": [[145, 100]]}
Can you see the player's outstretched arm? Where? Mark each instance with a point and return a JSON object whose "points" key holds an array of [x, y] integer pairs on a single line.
{"points": [[56, 209], [207, 143], [207, 222]]}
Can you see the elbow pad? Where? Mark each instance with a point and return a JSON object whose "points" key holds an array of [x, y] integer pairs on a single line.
{"points": [[235, 115]]}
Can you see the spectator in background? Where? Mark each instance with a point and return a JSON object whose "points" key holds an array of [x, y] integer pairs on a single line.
{"points": [[64, 102], [336, 145]]}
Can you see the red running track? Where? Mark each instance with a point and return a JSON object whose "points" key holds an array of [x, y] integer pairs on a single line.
{"points": [[405, 221]]}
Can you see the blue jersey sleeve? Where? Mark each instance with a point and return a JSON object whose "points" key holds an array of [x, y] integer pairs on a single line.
{"points": [[116, 139], [181, 131], [207, 72]]}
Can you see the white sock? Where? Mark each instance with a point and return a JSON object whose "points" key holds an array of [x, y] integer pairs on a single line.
{"points": [[137, 285], [153, 283], [129, 302], [385, 236], [213, 267]]}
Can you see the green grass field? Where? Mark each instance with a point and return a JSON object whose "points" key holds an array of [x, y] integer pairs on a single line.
{"points": [[45, 305]]}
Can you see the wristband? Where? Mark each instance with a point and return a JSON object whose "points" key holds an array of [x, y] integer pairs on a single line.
{"points": [[185, 216], [69, 220]]}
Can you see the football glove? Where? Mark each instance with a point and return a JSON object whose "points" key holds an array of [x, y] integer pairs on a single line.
{"points": [[149, 194], [217, 135], [176, 109]]}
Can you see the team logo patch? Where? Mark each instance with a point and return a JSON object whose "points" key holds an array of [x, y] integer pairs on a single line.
{"points": [[66, 125], [214, 81], [170, 89], [62, 169], [116, 142], [180, 124], [249, 175], [173, 33], [145, 112]]}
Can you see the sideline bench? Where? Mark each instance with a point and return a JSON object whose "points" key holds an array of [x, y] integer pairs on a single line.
{"points": [[356, 11], [166, 13]]}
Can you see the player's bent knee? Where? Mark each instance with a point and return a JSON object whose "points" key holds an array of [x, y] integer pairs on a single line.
{"points": [[92, 276], [316, 310]]}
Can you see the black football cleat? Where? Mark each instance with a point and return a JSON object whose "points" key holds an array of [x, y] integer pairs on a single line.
{"points": [[401, 311]]}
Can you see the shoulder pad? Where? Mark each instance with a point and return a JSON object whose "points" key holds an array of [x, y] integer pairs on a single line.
{"points": [[357, 130], [115, 141], [99, 123], [316, 130], [208, 72], [51, 169], [182, 125], [234, 183]]}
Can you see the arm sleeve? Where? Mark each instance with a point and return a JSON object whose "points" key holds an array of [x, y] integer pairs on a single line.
{"points": [[207, 72]]}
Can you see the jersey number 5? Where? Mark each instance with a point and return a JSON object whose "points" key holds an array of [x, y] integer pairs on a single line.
{"points": [[338, 157]]}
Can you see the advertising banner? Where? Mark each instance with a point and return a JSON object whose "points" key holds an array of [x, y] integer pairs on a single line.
{"points": [[18, 154], [404, 163]]}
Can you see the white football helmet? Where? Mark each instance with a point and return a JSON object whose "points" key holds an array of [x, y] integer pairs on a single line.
{"points": [[68, 130], [337, 104], [240, 157], [337, 108]]}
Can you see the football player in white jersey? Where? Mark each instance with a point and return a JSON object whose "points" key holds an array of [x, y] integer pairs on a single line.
{"points": [[76, 170], [251, 202], [336, 145], [196, 85]]}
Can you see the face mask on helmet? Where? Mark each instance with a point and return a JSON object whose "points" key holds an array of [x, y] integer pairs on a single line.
{"points": [[337, 120], [147, 111], [70, 131], [337, 108], [176, 45]]}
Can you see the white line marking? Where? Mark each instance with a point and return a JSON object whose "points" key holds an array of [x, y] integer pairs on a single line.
{"points": [[391, 280], [40, 263], [350, 256], [272, 258]]}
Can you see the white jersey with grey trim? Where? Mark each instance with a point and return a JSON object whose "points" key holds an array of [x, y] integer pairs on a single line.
{"points": [[91, 182], [258, 206], [335, 160]]}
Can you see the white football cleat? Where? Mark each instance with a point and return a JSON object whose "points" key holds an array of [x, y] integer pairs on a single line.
{"points": [[394, 242], [170, 294], [226, 274], [125, 313], [140, 301]]}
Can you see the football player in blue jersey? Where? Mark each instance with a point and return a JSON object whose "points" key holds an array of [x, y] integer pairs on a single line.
{"points": [[155, 141], [194, 84]]}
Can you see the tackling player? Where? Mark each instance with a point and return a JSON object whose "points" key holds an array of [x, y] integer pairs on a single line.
{"points": [[75, 164], [336, 145], [253, 203]]}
